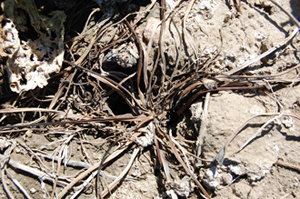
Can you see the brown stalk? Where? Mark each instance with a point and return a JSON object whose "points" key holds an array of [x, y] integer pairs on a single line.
{"points": [[188, 103], [186, 36], [284, 164], [34, 172], [94, 167], [107, 119], [178, 157], [118, 88], [140, 63], [161, 40], [124, 172]]}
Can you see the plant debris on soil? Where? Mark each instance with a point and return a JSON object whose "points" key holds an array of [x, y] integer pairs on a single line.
{"points": [[149, 99]]}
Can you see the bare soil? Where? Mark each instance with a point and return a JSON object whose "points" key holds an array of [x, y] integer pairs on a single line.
{"points": [[218, 37]]}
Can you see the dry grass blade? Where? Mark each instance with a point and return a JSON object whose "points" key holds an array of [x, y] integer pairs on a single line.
{"points": [[113, 85], [259, 131], [125, 171], [294, 20], [259, 77], [259, 57], [192, 99], [202, 129], [284, 164], [35, 172], [221, 155], [161, 40], [178, 157], [93, 168], [62, 156], [187, 37], [125, 118], [84, 185], [140, 63], [72, 163], [4, 184], [18, 185], [20, 110]]}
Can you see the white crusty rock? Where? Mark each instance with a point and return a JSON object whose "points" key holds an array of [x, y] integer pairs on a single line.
{"points": [[31, 62]]}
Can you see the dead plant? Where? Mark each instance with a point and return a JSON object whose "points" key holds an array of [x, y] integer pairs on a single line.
{"points": [[151, 97]]}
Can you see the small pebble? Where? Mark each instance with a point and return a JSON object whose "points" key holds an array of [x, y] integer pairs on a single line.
{"points": [[33, 190]]}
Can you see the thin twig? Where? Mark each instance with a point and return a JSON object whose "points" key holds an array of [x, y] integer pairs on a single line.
{"points": [[93, 168], [181, 149], [84, 185], [108, 119], [124, 172], [72, 163], [34, 172], [161, 41], [61, 156], [16, 182], [284, 164], [281, 108], [202, 132], [194, 177], [259, 131], [4, 184]]}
